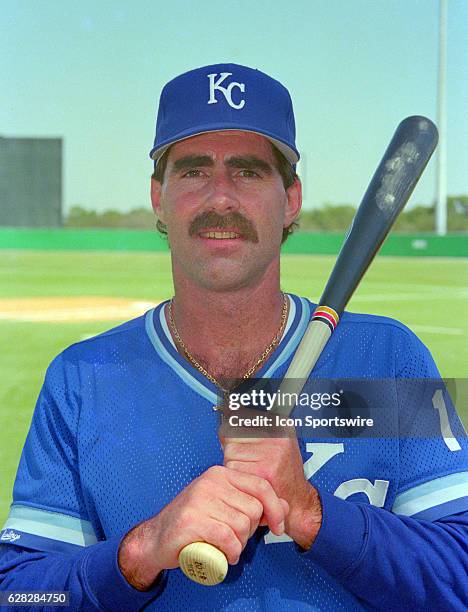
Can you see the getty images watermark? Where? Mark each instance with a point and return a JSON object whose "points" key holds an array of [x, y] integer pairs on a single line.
{"points": [[267, 401], [346, 408]]}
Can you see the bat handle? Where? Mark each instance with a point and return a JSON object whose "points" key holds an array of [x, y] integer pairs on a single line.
{"points": [[203, 563]]}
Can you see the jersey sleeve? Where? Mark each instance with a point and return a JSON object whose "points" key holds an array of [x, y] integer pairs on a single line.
{"points": [[433, 454], [48, 542], [91, 576], [48, 512], [417, 564]]}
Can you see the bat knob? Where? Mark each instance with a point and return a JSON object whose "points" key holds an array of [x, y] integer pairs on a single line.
{"points": [[203, 563]]}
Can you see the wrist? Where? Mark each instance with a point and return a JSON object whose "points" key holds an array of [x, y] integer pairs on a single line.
{"points": [[135, 563], [305, 518]]}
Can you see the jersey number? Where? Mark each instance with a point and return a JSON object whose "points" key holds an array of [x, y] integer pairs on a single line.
{"points": [[439, 404]]}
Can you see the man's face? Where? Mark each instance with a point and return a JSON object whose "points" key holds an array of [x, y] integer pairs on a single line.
{"points": [[225, 206]]}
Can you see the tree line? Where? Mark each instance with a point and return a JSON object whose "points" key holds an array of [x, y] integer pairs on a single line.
{"points": [[329, 218]]}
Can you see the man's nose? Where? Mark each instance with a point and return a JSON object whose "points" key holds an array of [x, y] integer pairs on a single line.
{"points": [[222, 195]]}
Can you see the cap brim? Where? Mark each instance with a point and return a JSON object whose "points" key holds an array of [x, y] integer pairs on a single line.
{"points": [[292, 155]]}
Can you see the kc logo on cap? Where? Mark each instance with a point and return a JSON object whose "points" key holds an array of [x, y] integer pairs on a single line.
{"points": [[225, 97], [226, 91]]}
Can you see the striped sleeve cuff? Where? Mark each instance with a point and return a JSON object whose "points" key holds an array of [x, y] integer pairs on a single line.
{"points": [[41, 529], [434, 499]]}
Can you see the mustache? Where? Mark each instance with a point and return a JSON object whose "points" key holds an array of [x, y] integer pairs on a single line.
{"points": [[233, 221]]}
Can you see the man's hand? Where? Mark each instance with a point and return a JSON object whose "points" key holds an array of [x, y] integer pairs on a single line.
{"points": [[220, 507], [279, 461]]}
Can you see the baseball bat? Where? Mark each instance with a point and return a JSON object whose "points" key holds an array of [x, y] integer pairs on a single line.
{"points": [[390, 188]]}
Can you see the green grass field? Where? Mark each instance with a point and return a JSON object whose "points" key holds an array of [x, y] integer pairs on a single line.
{"points": [[426, 294]]}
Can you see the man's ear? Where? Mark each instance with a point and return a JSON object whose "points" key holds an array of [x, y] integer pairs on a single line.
{"points": [[156, 199], [294, 203]]}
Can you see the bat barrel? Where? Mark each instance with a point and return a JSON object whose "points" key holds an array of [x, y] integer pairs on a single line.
{"points": [[390, 188]]}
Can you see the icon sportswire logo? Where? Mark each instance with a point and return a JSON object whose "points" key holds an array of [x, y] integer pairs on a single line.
{"points": [[216, 85], [10, 536]]}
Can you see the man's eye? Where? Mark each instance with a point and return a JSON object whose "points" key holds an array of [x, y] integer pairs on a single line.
{"points": [[249, 174], [192, 173]]}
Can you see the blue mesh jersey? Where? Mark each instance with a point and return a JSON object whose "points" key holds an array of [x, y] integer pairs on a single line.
{"points": [[123, 423]]}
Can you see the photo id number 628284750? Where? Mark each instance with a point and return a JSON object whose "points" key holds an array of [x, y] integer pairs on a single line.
{"points": [[34, 598]]}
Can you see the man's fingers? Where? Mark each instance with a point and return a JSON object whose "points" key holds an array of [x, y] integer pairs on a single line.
{"points": [[246, 467], [242, 450], [264, 521], [221, 535], [237, 518], [262, 490], [247, 504]]}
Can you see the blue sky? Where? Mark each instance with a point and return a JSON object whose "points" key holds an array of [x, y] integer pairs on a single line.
{"points": [[92, 72]]}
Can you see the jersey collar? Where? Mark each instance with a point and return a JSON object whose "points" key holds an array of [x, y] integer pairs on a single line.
{"points": [[161, 339]]}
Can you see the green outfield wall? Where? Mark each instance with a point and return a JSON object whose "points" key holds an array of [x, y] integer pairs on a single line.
{"points": [[454, 245]]}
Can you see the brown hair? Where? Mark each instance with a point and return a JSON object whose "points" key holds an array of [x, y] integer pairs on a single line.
{"points": [[286, 170]]}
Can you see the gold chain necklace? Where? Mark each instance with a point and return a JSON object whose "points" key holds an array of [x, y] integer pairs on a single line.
{"points": [[251, 370]]}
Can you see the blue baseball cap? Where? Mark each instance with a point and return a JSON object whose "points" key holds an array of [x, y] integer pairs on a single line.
{"points": [[225, 97]]}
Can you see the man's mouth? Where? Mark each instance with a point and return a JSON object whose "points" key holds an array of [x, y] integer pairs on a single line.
{"points": [[219, 234], [210, 225]]}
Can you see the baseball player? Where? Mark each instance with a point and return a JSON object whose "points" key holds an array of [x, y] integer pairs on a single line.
{"points": [[123, 465]]}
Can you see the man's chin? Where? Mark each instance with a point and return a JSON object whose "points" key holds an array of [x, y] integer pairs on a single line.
{"points": [[225, 276]]}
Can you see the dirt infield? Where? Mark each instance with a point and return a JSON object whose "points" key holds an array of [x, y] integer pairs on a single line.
{"points": [[71, 309]]}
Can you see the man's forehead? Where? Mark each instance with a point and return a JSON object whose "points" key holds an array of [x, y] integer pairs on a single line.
{"points": [[223, 145]]}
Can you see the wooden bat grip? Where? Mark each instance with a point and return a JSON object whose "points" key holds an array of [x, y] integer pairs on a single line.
{"points": [[203, 563]]}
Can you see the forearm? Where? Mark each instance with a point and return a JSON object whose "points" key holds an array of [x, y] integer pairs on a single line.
{"points": [[91, 576], [394, 562]]}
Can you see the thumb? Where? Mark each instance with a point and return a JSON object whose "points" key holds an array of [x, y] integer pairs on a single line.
{"points": [[285, 505]]}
